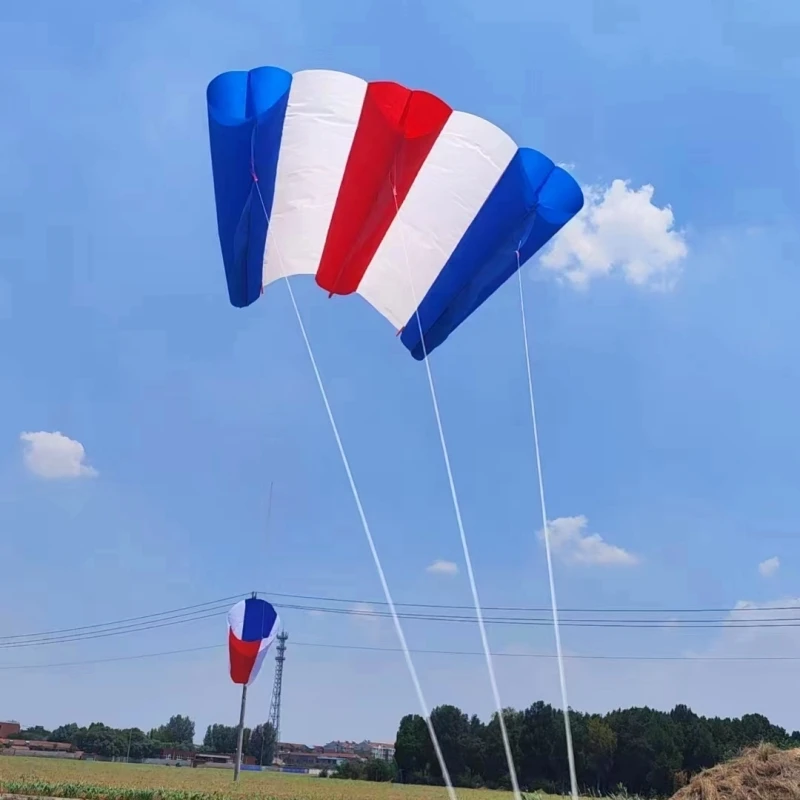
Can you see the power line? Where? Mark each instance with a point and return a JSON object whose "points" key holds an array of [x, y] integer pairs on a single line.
{"points": [[535, 609], [205, 611], [103, 634], [367, 648], [112, 659], [576, 657], [772, 622], [122, 621], [145, 620]]}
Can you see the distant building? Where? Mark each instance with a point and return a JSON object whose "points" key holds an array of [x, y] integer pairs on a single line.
{"points": [[23, 747], [330, 755], [337, 746], [9, 729], [383, 751], [291, 747], [175, 754], [312, 760], [219, 760]]}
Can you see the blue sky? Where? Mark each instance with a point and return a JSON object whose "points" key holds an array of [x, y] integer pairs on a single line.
{"points": [[667, 406]]}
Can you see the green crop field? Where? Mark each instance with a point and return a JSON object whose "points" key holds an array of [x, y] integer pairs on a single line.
{"points": [[109, 781]]}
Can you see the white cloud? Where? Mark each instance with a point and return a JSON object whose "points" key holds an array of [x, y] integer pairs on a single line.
{"points": [[769, 567], [759, 629], [53, 455], [440, 567], [364, 612], [370, 623], [570, 539], [619, 229]]}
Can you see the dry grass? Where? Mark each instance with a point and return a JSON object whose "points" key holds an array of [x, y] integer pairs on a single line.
{"points": [[761, 773], [110, 781]]}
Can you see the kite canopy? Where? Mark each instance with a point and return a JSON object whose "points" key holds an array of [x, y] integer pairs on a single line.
{"points": [[253, 625], [375, 189]]}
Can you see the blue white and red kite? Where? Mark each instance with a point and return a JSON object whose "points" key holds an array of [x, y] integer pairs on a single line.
{"points": [[378, 190], [253, 625]]}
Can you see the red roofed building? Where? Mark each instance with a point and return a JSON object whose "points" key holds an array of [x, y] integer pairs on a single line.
{"points": [[9, 729], [24, 747]]}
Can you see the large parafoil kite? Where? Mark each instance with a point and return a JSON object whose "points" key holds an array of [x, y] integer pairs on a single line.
{"points": [[389, 193], [375, 189]]}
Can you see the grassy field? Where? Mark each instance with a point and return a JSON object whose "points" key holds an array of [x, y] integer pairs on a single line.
{"points": [[108, 781]]}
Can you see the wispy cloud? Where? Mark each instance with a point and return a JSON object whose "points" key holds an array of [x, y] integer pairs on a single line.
{"points": [[769, 567], [440, 567], [570, 539], [53, 455], [365, 613], [619, 230]]}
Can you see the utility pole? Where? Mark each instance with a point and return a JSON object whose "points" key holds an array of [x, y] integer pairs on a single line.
{"points": [[240, 735], [240, 738], [277, 688]]}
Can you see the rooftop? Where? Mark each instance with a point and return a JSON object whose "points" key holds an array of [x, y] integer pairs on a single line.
{"points": [[32, 743]]}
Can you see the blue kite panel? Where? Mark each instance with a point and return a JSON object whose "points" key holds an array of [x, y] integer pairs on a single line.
{"points": [[260, 619], [246, 111], [531, 202]]}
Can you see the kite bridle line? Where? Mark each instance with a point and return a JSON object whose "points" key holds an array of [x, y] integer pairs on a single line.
{"points": [[457, 510], [356, 495], [562, 678]]}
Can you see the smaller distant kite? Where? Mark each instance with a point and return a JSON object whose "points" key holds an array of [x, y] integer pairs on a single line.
{"points": [[253, 625]]}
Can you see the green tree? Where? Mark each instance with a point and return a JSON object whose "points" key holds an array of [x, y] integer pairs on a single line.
{"points": [[599, 751], [65, 733], [378, 770], [495, 770], [543, 760], [698, 748], [36, 733], [262, 743], [223, 739], [667, 760], [349, 769], [635, 756], [179, 732], [101, 740], [409, 747], [452, 731], [141, 745], [475, 756]]}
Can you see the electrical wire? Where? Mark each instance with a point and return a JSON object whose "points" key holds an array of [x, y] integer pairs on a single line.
{"points": [[230, 598], [600, 610], [774, 622], [114, 632], [202, 612], [418, 651]]}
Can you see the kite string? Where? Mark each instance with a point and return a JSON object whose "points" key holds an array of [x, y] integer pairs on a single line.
{"points": [[362, 515], [457, 509], [573, 781]]}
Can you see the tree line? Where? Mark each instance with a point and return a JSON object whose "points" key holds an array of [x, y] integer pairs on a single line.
{"points": [[638, 750], [258, 742], [177, 734]]}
